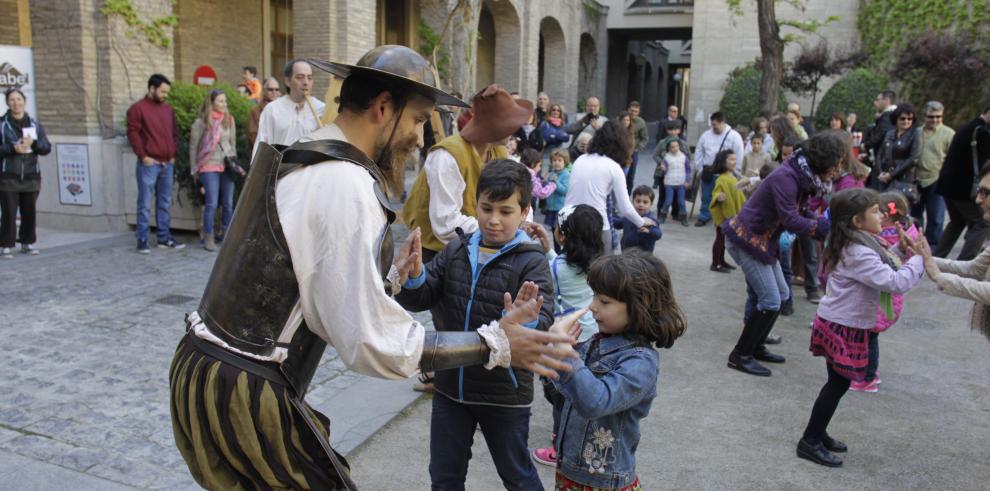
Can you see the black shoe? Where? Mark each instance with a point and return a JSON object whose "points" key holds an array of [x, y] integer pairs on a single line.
{"points": [[700, 223], [772, 339], [817, 454], [718, 269], [728, 266], [814, 296], [833, 445], [747, 364], [762, 354], [787, 309], [684, 222]]}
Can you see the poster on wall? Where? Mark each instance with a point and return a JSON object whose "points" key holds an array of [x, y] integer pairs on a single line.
{"points": [[17, 70], [73, 174]]}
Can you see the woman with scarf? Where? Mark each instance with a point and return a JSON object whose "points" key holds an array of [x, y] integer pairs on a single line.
{"points": [[552, 130], [22, 140], [753, 237], [211, 139]]}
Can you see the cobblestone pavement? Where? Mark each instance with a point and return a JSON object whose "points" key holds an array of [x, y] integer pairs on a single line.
{"points": [[89, 334]]}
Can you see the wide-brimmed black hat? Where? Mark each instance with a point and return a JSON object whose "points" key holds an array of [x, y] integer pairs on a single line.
{"points": [[397, 63]]}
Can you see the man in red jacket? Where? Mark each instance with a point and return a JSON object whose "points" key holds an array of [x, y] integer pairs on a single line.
{"points": [[154, 135]]}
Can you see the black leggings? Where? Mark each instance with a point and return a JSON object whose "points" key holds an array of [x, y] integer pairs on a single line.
{"points": [[824, 408]]}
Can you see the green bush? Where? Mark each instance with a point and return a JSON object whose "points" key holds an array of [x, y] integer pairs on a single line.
{"points": [[741, 100], [186, 99], [854, 92]]}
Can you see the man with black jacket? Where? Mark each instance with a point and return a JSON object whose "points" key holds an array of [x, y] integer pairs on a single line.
{"points": [[969, 150], [873, 140]]}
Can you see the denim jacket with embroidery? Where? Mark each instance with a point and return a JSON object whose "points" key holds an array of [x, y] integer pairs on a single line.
{"points": [[609, 391]]}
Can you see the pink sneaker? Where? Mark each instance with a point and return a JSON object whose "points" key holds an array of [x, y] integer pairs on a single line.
{"points": [[545, 456], [865, 386]]}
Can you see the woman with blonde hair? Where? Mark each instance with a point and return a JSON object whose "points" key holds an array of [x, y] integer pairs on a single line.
{"points": [[211, 139]]}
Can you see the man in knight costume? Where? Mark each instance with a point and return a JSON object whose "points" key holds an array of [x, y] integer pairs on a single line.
{"points": [[308, 261]]}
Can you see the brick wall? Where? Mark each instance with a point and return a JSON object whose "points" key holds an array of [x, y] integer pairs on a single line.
{"points": [[222, 34], [9, 32], [336, 30]]}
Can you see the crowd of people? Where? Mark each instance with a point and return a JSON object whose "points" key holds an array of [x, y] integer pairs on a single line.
{"points": [[515, 220], [523, 196]]}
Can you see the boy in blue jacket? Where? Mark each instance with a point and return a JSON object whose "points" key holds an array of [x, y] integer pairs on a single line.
{"points": [[644, 238], [465, 284]]}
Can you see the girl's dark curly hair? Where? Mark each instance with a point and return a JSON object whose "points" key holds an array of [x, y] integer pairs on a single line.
{"points": [[642, 282], [721, 162], [582, 233], [844, 206], [825, 150], [612, 141]]}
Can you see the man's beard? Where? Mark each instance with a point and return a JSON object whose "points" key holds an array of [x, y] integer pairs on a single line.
{"points": [[396, 152]]}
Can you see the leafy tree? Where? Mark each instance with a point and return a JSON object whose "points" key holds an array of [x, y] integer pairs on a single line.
{"points": [[815, 63], [772, 44], [949, 67], [738, 103], [852, 93]]}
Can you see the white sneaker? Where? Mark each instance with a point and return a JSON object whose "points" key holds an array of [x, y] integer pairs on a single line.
{"points": [[6, 253], [29, 249]]}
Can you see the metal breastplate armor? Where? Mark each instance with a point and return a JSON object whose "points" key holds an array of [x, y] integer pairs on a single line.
{"points": [[252, 288]]}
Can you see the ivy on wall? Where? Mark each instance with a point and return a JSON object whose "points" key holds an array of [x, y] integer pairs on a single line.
{"points": [[888, 26], [154, 29]]}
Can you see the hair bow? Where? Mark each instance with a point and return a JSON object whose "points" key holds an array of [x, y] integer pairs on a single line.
{"points": [[891, 209]]}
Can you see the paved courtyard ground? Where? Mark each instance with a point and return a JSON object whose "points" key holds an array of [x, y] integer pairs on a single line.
{"points": [[88, 330]]}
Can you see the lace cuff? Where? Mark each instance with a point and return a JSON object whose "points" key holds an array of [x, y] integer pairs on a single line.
{"points": [[498, 343]]}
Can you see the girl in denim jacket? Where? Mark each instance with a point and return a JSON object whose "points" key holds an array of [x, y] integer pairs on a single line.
{"points": [[613, 383]]}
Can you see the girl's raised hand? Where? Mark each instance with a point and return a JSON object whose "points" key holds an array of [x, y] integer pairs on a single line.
{"points": [[539, 233], [568, 324]]}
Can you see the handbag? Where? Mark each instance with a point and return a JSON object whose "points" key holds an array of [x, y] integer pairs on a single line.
{"points": [[231, 166], [706, 170], [908, 189]]}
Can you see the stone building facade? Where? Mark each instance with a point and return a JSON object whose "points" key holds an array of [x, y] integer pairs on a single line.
{"points": [[90, 67]]}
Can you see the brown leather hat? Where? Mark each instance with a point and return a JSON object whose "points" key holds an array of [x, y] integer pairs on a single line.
{"points": [[496, 115]]}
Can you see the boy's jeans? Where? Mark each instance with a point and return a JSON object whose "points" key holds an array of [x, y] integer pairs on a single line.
{"points": [[506, 431], [155, 180]]}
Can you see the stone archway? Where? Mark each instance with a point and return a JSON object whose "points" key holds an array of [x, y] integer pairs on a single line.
{"points": [[587, 67], [505, 47], [552, 58], [485, 71]]}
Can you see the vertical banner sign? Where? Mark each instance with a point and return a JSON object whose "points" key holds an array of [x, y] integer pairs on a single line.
{"points": [[17, 70], [73, 174]]}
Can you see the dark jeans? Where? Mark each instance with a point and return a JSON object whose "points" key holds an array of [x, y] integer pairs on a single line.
{"points": [[933, 205], [10, 201], [825, 405], [631, 173], [506, 431], [809, 252], [873, 360], [963, 215], [556, 400]]}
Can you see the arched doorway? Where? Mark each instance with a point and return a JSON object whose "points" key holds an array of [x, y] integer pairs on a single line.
{"points": [[587, 67], [506, 37], [485, 71], [552, 57]]}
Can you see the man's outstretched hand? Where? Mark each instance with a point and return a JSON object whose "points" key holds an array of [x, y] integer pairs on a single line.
{"points": [[539, 352], [409, 262]]}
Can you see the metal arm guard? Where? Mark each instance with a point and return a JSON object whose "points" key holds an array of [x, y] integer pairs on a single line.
{"points": [[444, 349]]}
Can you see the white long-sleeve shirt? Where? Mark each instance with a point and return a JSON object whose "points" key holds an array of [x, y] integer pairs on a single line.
{"points": [[708, 147], [332, 221], [446, 196], [283, 122], [593, 177]]}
